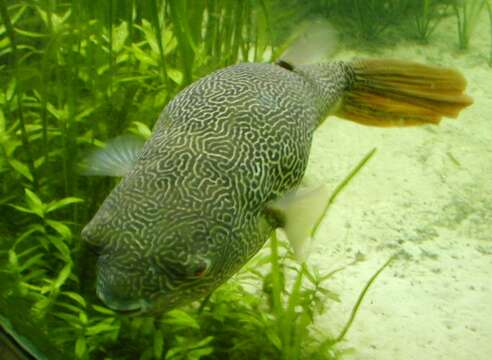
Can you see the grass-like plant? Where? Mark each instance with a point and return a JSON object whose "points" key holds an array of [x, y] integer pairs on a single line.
{"points": [[428, 14], [367, 19], [489, 11], [467, 13]]}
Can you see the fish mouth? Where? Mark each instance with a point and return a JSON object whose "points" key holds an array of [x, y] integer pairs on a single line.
{"points": [[130, 313], [123, 306], [127, 308]]}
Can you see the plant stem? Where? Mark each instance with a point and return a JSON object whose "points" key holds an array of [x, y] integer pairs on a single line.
{"points": [[489, 11], [157, 28], [185, 42], [342, 185], [266, 15], [291, 316], [24, 137], [45, 74], [276, 286], [467, 13], [356, 307]]}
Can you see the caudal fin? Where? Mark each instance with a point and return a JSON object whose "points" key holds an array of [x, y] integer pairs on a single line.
{"points": [[389, 93]]}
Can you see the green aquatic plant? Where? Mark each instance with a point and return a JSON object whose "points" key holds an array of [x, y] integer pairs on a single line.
{"points": [[368, 20], [428, 14], [489, 11], [16, 93], [467, 13], [292, 323], [40, 258]]}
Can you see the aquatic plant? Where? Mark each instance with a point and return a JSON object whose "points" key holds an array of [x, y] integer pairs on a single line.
{"points": [[369, 19], [428, 14], [489, 11], [467, 13], [295, 314]]}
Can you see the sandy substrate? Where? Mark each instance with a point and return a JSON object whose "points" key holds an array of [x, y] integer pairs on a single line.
{"points": [[427, 191]]}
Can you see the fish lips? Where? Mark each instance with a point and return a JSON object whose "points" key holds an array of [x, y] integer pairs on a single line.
{"points": [[125, 306]]}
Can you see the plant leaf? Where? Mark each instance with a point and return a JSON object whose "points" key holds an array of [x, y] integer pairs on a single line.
{"points": [[180, 318], [61, 247], [158, 344], [21, 168], [175, 75], [60, 228], [100, 328], [62, 203], [80, 347], [120, 34], [74, 296], [23, 209], [34, 203], [63, 276], [103, 310]]}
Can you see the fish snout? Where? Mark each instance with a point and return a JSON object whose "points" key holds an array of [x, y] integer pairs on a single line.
{"points": [[90, 237], [117, 300], [87, 234]]}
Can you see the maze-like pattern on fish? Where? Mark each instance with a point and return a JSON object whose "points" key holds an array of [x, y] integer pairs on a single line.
{"points": [[220, 151]]}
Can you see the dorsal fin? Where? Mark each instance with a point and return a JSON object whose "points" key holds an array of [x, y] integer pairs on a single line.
{"points": [[314, 41], [285, 65]]}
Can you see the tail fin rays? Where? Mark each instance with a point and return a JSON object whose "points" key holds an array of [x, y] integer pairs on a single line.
{"points": [[389, 93]]}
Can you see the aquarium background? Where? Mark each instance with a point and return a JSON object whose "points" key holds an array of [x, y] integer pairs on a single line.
{"points": [[74, 74]]}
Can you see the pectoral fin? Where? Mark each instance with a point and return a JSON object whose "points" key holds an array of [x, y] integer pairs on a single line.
{"points": [[117, 158], [299, 214]]}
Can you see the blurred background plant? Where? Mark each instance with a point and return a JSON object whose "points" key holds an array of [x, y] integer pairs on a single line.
{"points": [[368, 20], [384, 21], [428, 14], [489, 11], [467, 14], [74, 73]]}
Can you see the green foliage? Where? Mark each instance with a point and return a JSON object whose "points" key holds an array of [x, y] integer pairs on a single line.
{"points": [[368, 19], [467, 13], [428, 14], [489, 11], [376, 21], [42, 239]]}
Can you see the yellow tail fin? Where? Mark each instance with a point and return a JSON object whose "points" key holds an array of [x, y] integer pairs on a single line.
{"points": [[402, 93]]}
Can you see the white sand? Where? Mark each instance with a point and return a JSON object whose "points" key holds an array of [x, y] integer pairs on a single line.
{"points": [[437, 304]]}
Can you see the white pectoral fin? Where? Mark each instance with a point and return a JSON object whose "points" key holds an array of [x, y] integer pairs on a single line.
{"points": [[117, 158], [301, 213]]}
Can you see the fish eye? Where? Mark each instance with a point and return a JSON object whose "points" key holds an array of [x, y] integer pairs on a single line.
{"points": [[194, 270], [201, 269]]}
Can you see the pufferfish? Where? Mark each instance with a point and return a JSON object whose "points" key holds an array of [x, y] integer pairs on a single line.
{"points": [[222, 168]]}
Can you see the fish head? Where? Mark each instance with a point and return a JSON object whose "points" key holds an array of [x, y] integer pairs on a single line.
{"points": [[153, 260]]}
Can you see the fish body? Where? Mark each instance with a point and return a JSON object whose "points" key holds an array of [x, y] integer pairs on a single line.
{"points": [[196, 197], [207, 189]]}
